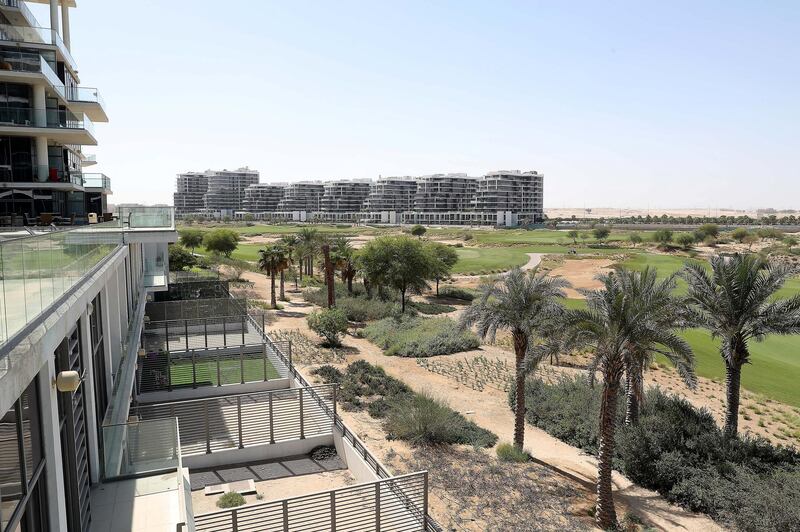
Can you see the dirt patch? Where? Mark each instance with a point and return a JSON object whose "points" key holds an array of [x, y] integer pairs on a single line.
{"points": [[582, 274]]}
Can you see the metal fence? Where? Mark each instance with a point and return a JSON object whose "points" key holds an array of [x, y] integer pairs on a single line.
{"points": [[373, 506], [187, 289], [238, 421], [169, 370], [202, 333], [211, 307]]}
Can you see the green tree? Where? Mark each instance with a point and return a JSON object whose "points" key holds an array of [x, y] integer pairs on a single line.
{"points": [[343, 256], [789, 241], [736, 302], [526, 304], [685, 240], [740, 234], [655, 299], [329, 323], [237, 267], [662, 236], [180, 258], [398, 262], [272, 260], [444, 258], [221, 241], [308, 245], [289, 243], [707, 230], [573, 234], [615, 320], [418, 231], [601, 232], [635, 239], [190, 238]]}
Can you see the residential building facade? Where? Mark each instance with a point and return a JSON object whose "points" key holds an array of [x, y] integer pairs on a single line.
{"points": [[305, 196], [190, 191], [46, 118], [225, 194], [344, 196], [262, 197]]}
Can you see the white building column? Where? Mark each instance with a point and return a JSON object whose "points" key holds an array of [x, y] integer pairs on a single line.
{"points": [[54, 16], [42, 159], [89, 398], [65, 23], [51, 442]]}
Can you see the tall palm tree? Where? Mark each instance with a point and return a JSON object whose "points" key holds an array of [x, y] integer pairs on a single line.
{"points": [[656, 297], [290, 243], [615, 325], [735, 302], [524, 303], [272, 260], [308, 239], [343, 257]]}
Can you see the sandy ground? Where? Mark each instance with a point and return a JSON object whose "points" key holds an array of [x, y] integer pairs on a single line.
{"points": [[489, 409], [582, 274]]}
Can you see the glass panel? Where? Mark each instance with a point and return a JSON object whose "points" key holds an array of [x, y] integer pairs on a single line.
{"points": [[142, 447], [31, 430]]}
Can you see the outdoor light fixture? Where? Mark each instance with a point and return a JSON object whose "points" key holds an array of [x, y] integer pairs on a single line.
{"points": [[142, 353], [89, 309], [67, 381]]}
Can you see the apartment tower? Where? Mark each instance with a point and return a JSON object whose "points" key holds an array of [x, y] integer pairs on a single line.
{"points": [[225, 194], [190, 191], [262, 197]]}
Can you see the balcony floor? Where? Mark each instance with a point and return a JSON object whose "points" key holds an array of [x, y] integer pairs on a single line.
{"points": [[274, 479], [147, 504]]}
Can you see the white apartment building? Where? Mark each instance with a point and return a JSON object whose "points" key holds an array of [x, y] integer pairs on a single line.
{"points": [[190, 191], [262, 197], [225, 194]]}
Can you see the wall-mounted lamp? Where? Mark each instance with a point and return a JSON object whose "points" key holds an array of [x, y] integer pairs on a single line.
{"points": [[67, 381], [89, 309], [142, 353]]}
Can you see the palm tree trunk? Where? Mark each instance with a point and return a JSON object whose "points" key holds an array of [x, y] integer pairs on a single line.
{"points": [[272, 290], [632, 400], [605, 515], [520, 348], [402, 301], [349, 284], [733, 377], [283, 294], [437, 287]]}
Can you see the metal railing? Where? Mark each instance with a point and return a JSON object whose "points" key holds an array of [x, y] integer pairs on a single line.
{"points": [[369, 506], [167, 371], [201, 333], [192, 309], [238, 421]]}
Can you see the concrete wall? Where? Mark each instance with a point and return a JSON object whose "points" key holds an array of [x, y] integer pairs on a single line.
{"points": [[212, 391], [355, 462], [256, 453]]}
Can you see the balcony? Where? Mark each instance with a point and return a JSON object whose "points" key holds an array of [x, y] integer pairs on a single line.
{"points": [[59, 125], [88, 100], [157, 217], [40, 177], [98, 182], [29, 66], [88, 159], [18, 13], [39, 37]]}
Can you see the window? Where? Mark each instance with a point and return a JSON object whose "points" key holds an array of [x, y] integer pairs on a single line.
{"points": [[22, 503]]}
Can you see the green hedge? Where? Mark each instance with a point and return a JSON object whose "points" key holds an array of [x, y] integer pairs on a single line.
{"points": [[678, 450], [420, 337]]}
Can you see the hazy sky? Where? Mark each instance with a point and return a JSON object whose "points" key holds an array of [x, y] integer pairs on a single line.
{"points": [[623, 104]]}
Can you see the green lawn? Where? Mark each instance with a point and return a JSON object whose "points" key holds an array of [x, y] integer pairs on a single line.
{"points": [[488, 259], [230, 372]]}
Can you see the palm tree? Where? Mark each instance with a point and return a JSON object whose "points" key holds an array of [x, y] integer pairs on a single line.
{"points": [[343, 257], [273, 261], [308, 239], [526, 304], [735, 302], [656, 298], [616, 325], [290, 243]]}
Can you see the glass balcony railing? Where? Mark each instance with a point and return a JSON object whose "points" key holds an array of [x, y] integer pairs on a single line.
{"points": [[45, 174], [50, 118], [36, 35], [14, 61], [97, 181], [37, 270], [147, 217], [26, 12], [86, 94], [141, 448]]}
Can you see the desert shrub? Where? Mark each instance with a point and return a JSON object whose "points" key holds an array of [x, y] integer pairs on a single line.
{"points": [[323, 452], [230, 500], [431, 308], [363, 309], [422, 419], [328, 374], [506, 452], [329, 323], [455, 292], [677, 450], [420, 337]]}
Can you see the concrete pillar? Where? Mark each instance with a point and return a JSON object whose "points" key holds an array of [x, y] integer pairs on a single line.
{"points": [[65, 24], [51, 440], [54, 17], [39, 106], [42, 159], [89, 398]]}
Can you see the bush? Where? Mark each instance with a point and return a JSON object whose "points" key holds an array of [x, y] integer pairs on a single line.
{"points": [[222, 241], [424, 420], [506, 452], [677, 450], [329, 323], [431, 308], [455, 292], [358, 307], [328, 374], [230, 500], [420, 337]]}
